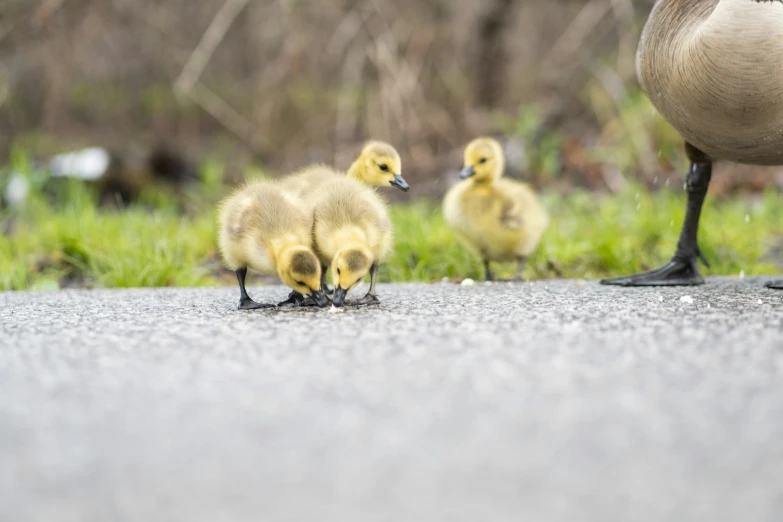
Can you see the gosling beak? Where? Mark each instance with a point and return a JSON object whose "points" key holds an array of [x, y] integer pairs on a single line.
{"points": [[339, 296], [467, 172], [400, 183], [320, 298]]}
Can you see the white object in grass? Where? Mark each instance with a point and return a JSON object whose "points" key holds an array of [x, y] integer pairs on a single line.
{"points": [[87, 164], [17, 190]]}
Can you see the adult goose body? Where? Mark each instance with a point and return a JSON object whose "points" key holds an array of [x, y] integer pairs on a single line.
{"points": [[714, 70]]}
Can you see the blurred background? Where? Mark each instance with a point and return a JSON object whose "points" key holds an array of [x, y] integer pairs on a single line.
{"points": [[177, 101]]}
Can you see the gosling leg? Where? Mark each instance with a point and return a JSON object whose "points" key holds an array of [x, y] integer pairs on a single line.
{"points": [[488, 275], [371, 298], [521, 263], [245, 303], [683, 268]]}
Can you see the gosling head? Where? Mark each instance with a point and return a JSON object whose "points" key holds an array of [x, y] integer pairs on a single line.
{"points": [[349, 267], [483, 160], [379, 165], [300, 269]]}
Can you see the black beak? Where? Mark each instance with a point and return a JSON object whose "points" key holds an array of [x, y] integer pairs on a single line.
{"points": [[339, 296], [400, 183], [467, 172], [320, 298]]}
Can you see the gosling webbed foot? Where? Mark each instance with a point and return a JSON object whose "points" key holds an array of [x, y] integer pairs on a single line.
{"points": [[775, 285], [369, 299], [295, 300], [677, 272], [246, 303]]}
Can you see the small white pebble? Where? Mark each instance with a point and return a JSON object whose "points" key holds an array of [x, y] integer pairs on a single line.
{"points": [[742, 274], [445, 280], [468, 282], [709, 305], [686, 299], [660, 298], [761, 302], [335, 310]]}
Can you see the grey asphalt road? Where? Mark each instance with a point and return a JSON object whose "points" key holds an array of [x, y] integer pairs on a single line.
{"points": [[550, 401]]}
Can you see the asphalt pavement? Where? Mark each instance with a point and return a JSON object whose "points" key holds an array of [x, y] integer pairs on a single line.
{"points": [[547, 401]]}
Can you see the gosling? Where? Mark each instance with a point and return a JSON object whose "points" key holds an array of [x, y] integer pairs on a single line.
{"points": [[352, 234], [262, 228], [500, 219]]}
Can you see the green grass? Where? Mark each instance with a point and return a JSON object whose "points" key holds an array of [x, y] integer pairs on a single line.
{"points": [[590, 236]]}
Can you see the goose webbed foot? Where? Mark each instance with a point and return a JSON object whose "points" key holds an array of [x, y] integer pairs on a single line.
{"points": [[683, 269], [246, 303], [369, 299], [775, 285], [295, 299], [677, 272]]}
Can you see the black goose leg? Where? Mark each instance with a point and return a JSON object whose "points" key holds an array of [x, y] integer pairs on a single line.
{"points": [[775, 285], [245, 303], [488, 275], [371, 297], [683, 269]]}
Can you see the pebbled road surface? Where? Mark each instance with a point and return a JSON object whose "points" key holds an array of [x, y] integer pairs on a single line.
{"points": [[551, 401]]}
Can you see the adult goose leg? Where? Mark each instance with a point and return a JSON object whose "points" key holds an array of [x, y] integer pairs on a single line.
{"points": [[245, 303], [683, 269]]}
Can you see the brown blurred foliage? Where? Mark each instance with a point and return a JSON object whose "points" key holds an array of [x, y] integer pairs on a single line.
{"points": [[290, 82]]}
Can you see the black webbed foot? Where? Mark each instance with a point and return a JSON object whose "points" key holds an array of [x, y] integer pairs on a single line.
{"points": [[248, 304], [682, 270], [295, 299], [677, 272], [775, 285], [368, 299]]}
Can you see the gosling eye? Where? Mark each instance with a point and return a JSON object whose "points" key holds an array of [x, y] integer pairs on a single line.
{"points": [[384, 167], [338, 271], [300, 283], [482, 160]]}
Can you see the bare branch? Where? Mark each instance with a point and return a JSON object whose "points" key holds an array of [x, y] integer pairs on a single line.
{"points": [[209, 41]]}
